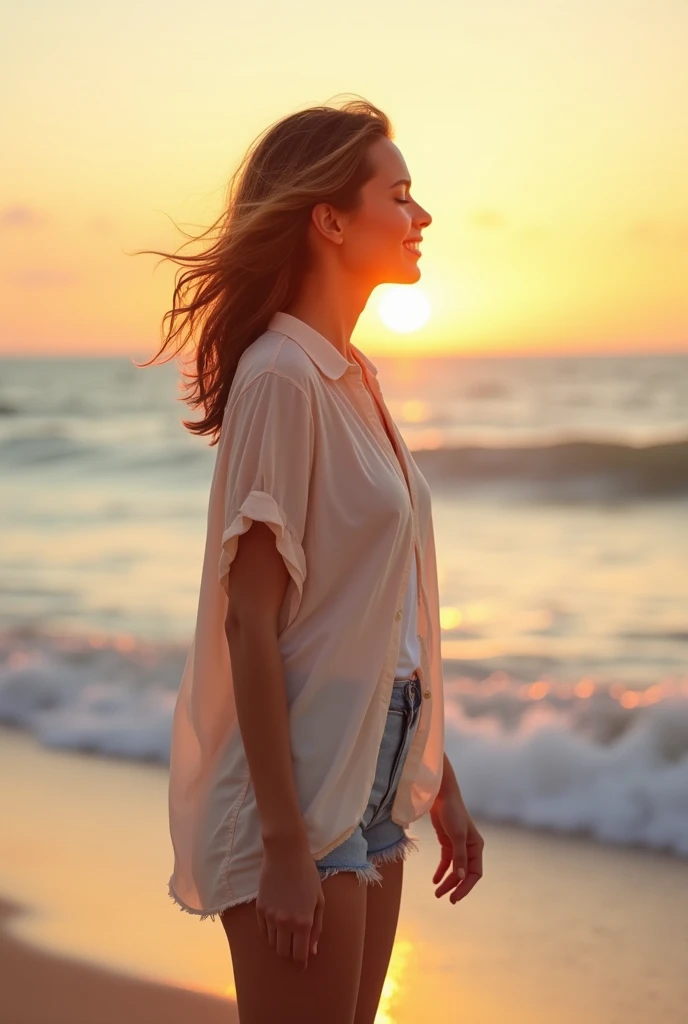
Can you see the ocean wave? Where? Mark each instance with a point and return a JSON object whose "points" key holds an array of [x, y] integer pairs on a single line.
{"points": [[623, 779], [26, 451], [44, 450], [571, 469], [605, 761]]}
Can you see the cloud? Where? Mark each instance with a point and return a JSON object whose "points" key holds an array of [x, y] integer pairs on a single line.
{"points": [[20, 216]]}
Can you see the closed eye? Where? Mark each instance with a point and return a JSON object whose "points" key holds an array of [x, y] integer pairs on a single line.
{"points": [[403, 200]]}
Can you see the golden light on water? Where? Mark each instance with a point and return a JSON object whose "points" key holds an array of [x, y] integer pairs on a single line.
{"points": [[429, 439], [415, 411], [584, 688], [230, 991], [450, 618], [393, 989], [538, 689]]}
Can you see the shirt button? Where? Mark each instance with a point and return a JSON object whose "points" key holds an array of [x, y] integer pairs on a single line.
{"points": [[426, 694], [398, 615]]}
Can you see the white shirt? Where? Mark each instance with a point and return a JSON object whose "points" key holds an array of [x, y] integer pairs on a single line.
{"points": [[302, 449], [408, 659]]}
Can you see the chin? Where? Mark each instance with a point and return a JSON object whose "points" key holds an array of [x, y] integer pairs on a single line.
{"points": [[410, 275], [405, 275]]}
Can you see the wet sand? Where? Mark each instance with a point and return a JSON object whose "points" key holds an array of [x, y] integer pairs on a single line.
{"points": [[559, 930], [37, 986]]}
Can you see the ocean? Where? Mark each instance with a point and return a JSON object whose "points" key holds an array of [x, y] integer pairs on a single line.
{"points": [[560, 504]]}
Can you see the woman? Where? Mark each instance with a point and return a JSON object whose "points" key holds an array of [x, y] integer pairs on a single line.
{"points": [[308, 732]]}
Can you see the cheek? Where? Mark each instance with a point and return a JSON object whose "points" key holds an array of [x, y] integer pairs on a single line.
{"points": [[392, 222], [384, 229]]}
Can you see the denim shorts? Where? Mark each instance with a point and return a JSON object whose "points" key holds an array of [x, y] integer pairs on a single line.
{"points": [[377, 838]]}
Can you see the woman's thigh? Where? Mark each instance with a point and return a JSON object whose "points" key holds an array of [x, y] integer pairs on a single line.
{"points": [[382, 915], [272, 988]]}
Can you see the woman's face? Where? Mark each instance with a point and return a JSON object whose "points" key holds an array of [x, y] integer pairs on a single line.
{"points": [[370, 242]]}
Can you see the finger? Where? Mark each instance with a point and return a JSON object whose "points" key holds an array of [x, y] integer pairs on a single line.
{"points": [[464, 889], [301, 937], [445, 861], [271, 929], [457, 858], [475, 861], [283, 939], [474, 871], [450, 882], [460, 860], [262, 924], [316, 930], [456, 875]]}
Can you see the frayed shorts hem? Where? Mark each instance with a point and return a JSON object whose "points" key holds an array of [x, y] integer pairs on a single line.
{"points": [[369, 873]]}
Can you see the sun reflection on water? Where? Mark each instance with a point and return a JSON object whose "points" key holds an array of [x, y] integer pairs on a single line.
{"points": [[393, 988]]}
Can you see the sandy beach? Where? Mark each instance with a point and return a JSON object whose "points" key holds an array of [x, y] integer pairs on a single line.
{"points": [[41, 986], [559, 930]]}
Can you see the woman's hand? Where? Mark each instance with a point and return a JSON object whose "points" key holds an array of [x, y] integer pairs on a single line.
{"points": [[290, 900], [461, 843]]}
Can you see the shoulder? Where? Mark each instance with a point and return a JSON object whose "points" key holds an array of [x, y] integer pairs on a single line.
{"points": [[281, 358]]}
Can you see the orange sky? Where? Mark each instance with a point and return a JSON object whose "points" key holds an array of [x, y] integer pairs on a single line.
{"points": [[547, 141]]}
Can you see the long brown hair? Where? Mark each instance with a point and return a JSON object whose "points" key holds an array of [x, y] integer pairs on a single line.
{"points": [[258, 251]]}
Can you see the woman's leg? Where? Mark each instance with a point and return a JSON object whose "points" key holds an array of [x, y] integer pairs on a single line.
{"points": [[388, 847], [382, 915], [273, 988]]}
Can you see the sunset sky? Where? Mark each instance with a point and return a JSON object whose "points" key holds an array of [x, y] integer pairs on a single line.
{"points": [[547, 140]]}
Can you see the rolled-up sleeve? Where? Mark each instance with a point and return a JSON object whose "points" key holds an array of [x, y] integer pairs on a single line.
{"points": [[269, 464]]}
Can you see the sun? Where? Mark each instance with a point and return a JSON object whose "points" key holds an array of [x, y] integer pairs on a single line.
{"points": [[403, 308]]}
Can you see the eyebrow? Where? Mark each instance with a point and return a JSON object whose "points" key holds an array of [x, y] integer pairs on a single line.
{"points": [[402, 181]]}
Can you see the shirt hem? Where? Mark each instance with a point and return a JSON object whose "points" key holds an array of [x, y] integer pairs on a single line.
{"points": [[319, 854], [203, 914]]}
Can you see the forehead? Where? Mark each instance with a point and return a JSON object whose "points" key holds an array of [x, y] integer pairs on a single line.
{"points": [[388, 162]]}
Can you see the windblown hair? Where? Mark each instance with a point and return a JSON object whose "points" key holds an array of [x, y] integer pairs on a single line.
{"points": [[258, 253]]}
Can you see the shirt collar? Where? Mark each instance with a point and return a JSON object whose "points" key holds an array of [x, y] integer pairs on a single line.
{"points": [[323, 353]]}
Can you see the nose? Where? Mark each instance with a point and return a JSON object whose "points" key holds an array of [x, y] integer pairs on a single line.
{"points": [[424, 219]]}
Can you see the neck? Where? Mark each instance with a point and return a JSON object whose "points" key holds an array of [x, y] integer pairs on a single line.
{"points": [[330, 308]]}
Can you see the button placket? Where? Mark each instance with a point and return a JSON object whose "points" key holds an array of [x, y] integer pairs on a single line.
{"points": [[400, 467], [380, 433], [398, 462]]}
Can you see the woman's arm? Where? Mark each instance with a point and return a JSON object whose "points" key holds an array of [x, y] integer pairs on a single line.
{"points": [[449, 782], [256, 586]]}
